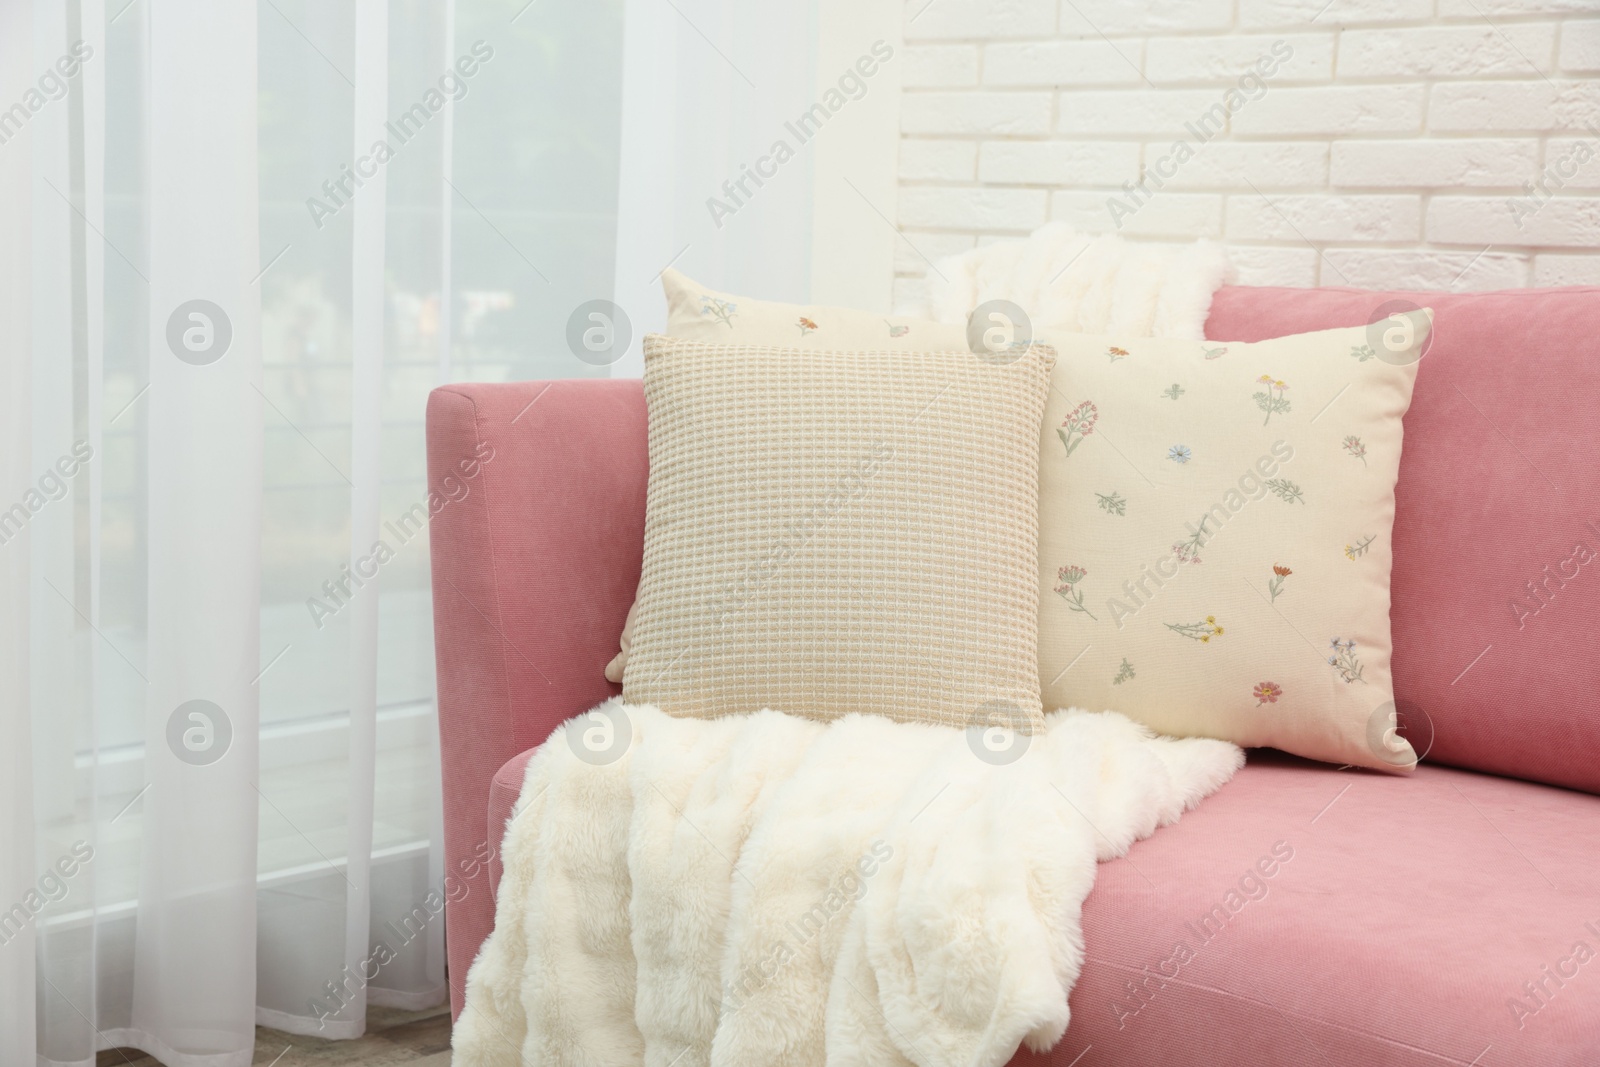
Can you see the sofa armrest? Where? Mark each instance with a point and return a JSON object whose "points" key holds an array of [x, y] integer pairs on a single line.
{"points": [[535, 552]]}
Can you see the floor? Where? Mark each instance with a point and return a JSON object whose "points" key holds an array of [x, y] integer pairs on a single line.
{"points": [[413, 1038]]}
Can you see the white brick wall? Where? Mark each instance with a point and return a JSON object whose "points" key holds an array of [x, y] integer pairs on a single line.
{"points": [[1392, 145]]}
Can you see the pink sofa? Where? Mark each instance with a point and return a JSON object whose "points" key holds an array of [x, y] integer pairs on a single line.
{"points": [[1306, 914]]}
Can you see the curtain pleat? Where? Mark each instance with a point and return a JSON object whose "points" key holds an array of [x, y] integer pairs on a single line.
{"points": [[195, 945], [18, 983], [366, 438]]}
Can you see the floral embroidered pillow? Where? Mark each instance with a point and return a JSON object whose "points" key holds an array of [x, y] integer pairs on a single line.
{"points": [[1214, 535]]}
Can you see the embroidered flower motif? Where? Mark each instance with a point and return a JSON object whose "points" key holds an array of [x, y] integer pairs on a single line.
{"points": [[1285, 490], [1353, 445], [806, 325], [1360, 547], [1344, 661], [1362, 353], [1173, 391], [1124, 672], [1189, 551], [1117, 353], [1271, 399], [722, 311], [1202, 631], [1179, 453], [1275, 584], [896, 331], [1078, 424], [1267, 693], [1069, 577], [1214, 353], [1113, 503]]}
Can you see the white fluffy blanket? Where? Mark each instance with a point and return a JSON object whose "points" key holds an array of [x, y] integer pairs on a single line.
{"points": [[1079, 283], [771, 890]]}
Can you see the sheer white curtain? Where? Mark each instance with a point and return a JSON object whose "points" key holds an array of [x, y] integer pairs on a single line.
{"points": [[200, 833], [709, 88], [221, 308], [222, 305]]}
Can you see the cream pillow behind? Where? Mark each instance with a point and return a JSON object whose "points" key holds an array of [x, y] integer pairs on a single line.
{"points": [[700, 314], [835, 532], [619, 662], [1214, 537]]}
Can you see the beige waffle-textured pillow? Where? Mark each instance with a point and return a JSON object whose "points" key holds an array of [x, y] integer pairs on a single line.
{"points": [[700, 314], [840, 531]]}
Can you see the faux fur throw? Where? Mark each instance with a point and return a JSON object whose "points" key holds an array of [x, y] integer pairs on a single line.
{"points": [[771, 890], [1077, 283]]}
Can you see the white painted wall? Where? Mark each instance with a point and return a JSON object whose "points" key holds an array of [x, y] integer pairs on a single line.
{"points": [[1386, 149]]}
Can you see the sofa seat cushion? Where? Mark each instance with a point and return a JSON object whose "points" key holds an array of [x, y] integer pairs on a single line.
{"points": [[1336, 917], [1400, 931]]}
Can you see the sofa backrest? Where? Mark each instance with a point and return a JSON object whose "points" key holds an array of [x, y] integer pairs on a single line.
{"points": [[1496, 582]]}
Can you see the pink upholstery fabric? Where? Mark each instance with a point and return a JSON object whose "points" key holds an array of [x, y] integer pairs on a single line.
{"points": [[1393, 936], [1498, 483], [533, 572], [1412, 910]]}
